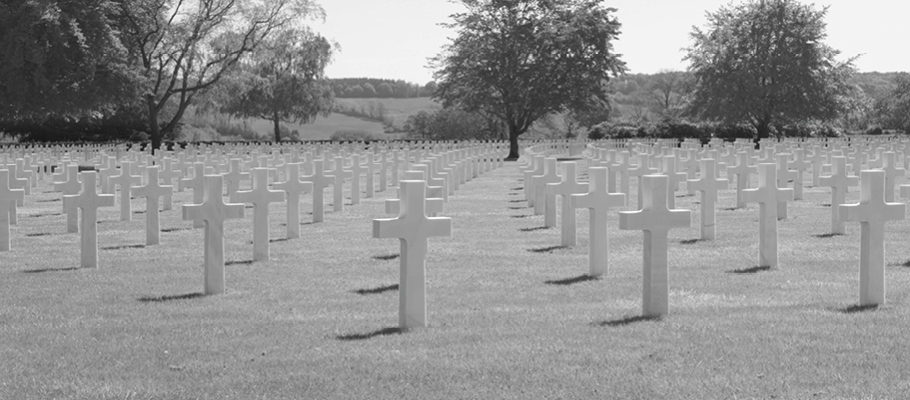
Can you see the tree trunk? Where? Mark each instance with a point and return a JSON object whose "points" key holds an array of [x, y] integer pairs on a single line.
{"points": [[277, 123], [513, 142], [154, 129]]}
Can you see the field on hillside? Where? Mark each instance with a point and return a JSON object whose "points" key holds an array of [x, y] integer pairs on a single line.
{"points": [[512, 314], [397, 109]]}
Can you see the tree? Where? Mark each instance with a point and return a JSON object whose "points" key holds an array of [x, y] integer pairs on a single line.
{"points": [[384, 90], [893, 111], [520, 60], [284, 81], [369, 90], [764, 62], [184, 47], [669, 91], [61, 58]]}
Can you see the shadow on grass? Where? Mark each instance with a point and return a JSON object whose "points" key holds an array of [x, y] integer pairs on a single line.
{"points": [[572, 281], [517, 188], [547, 249], [387, 257], [139, 212], [238, 262], [516, 208], [752, 270], [377, 290], [45, 215], [42, 270], [125, 246], [689, 241], [536, 228], [856, 308], [521, 216], [279, 240], [175, 229], [513, 194], [568, 159], [515, 201], [47, 201], [161, 299], [626, 321], [730, 208], [825, 204], [828, 235], [370, 335], [38, 234]]}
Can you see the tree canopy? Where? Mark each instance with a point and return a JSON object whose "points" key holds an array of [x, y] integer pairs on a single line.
{"points": [[764, 62], [520, 60]]}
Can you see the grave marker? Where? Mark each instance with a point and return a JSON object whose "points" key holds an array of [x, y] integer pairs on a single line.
{"points": [[89, 201], [152, 192], [293, 188], [767, 195], [126, 181], [838, 181], [8, 200], [213, 211], [260, 196], [707, 185], [566, 188], [598, 202]]}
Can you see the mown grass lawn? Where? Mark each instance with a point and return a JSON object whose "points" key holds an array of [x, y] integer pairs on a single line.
{"points": [[510, 316]]}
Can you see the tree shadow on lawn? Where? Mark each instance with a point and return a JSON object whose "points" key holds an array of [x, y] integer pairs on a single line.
{"points": [[752, 270], [386, 257], [573, 280], [42, 270], [828, 235], [613, 323], [547, 249], [856, 308], [377, 290], [164, 298], [370, 335]]}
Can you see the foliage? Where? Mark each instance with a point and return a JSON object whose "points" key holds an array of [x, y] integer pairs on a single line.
{"points": [[520, 60], [353, 136], [283, 81], [125, 122], [893, 110], [62, 60], [764, 62], [670, 91], [451, 124], [385, 88]]}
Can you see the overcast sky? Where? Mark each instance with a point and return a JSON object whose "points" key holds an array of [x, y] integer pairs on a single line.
{"points": [[392, 39]]}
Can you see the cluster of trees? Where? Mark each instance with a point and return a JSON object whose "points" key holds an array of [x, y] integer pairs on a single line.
{"points": [[79, 64], [358, 88]]}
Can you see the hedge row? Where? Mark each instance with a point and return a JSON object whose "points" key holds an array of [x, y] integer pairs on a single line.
{"points": [[705, 131]]}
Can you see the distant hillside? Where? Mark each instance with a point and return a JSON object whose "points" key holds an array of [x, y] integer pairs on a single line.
{"points": [[371, 88]]}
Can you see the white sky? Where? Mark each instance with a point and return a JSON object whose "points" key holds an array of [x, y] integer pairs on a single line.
{"points": [[392, 39]]}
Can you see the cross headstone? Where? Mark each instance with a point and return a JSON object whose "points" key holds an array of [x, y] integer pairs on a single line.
{"points": [[89, 201], [197, 183], [707, 185], [293, 187], [412, 228], [799, 164], [643, 168], [784, 174], [357, 170], [838, 181], [260, 195], [70, 186], [8, 199], [655, 219], [338, 174], [434, 205], [872, 212], [742, 171], [320, 181], [233, 178], [126, 181], [152, 192], [544, 201], [767, 195], [213, 211], [566, 188], [598, 202], [668, 168], [893, 172]]}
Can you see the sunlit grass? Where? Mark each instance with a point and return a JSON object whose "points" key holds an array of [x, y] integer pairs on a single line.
{"points": [[512, 314]]}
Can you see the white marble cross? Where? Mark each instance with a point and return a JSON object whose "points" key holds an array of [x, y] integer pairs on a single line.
{"points": [[598, 202], [233, 178], [126, 181], [260, 196], [338, 174], [412, 228], [357, 170], [817, 158], [89, 201], [213, 211], [152, 192], [293, 187], [707, 185], [434, 205], [767, 195], [799, 164], [8, 199], [197, 183], [655, 219], [544, 201], [784, 174], [742, 171], [893, 172], [838, 181], [320, 181], [566, 188], [371, 172], [643, 168], [674, 178], [872, 212]]}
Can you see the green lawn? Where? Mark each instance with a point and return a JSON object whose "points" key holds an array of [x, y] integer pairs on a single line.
{"points": [[510, 315]]}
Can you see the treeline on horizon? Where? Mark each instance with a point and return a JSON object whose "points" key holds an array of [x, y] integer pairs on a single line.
{"points": [[371, 88]]}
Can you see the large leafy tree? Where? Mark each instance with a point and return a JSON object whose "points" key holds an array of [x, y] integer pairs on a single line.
{"points": [[184, 47], [60, 59], [284, 80], [520, 60], [893, 111], [765, 62]]}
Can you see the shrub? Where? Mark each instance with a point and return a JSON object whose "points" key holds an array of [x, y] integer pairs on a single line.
{"points": [[875, 131], [732, 132], [353, 136]]}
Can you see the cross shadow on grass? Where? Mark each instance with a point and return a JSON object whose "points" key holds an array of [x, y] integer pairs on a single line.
{"points": [[856, 308], [521, 216], [572, 281], [45, 215], [547, 249], [731, 208], [42, 270], [515, 201], [38, 234], [386, 257], [377, 290], [278, 240], [516, 208], [828, 235], [517, 188], [47, 201], [370, 335], [238, 262], [175, 229], [689, 241], [613, 323], [825, 204], [536, 228], [125, 246], [752, 270], [161, 299]]}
